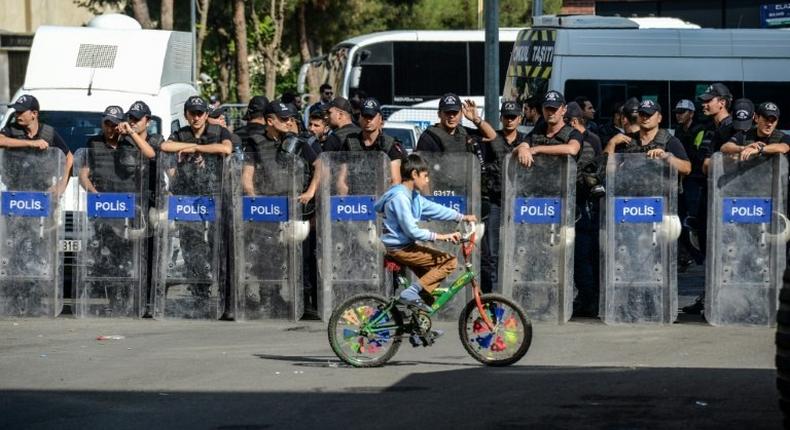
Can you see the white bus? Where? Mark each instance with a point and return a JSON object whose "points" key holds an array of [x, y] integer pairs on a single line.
{"points": [[409, 66], [610, 59]]}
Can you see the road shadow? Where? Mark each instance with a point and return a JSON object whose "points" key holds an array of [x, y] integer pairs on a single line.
{"points": [[521, 397]]}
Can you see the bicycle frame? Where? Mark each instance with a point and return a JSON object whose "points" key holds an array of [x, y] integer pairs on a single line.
{"points": [[469, 277]]}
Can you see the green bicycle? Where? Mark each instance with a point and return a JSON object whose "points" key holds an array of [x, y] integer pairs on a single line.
{"points": [[366, 330]]}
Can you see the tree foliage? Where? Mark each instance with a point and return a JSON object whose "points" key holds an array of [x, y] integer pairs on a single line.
{"points": [[326, 22]]}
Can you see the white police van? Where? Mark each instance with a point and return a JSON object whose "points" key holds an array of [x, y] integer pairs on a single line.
{"points": [[76, 72]]}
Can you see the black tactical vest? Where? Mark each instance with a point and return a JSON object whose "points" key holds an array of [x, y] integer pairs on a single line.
{"points": [[384, 142], [199, 174], [18, 163], [659, 142], [491, 167], [559, 138], [111, 169], [342, 133], [456, 142]]}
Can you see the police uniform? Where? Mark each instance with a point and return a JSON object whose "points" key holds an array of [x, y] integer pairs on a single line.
{"points": [[113, 167], [22, 170], [491, 157], [384, 143], [138, 110], [693, 183], [198, 174], [18, 162], [436, 139], [259, 146], [336, 141]]}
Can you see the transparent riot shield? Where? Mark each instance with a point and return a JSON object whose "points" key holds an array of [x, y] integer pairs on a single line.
{"points": [[31, 228], [747, 232], [455, 183], [639, 235], [350, 256], [112, 226], [190, 277], [537, 236], [268, 231]]}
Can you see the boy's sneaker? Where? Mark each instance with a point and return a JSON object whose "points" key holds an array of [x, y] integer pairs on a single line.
{"points": [[409, 298], [417, 303]]}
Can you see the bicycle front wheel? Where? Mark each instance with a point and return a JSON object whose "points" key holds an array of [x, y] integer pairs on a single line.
{"points": [[363, 332], [507, 342]]}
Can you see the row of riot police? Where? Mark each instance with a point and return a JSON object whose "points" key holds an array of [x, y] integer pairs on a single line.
{"points": [[225, 232]]}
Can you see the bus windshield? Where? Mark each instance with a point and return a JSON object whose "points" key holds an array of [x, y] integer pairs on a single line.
{"points": [[76, 127], [529, 70]]}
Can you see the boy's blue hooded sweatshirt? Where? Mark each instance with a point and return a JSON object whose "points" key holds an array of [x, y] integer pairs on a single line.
{"points": [[402, 209]]}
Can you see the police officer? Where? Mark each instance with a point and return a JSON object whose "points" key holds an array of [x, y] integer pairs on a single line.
{"points": [[690, 134], [135, 132], [586, 249], [449, 135], [24, 141], [279, 138], [371, 137], [588, 112], [493, 155], [533, 112], [114, 164], [340, 120], [555, 137], [255, 118], [201, 148], [26, 132], [609, 129], [716, 103], [764, 138], [652, 140]]}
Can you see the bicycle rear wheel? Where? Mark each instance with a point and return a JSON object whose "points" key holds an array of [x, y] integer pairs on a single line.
{"points": [[507, 342], [363, 333]]}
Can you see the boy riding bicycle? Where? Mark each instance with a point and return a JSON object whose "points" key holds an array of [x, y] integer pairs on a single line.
{"points": [[403, 205]]}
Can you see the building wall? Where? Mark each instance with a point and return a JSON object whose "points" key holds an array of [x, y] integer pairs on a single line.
{"points": [[24, 16]]}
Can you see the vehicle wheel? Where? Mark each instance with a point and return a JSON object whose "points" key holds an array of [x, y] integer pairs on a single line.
{"points": [[358, 343], [507, 342], [783, 349]]}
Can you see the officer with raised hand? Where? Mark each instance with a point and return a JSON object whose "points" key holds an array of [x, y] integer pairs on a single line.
{"points": [[371, 137], [652, 140], [135, 131], [449, 135], [555, 137], [27, 132], [763, 138], [114, 164]]}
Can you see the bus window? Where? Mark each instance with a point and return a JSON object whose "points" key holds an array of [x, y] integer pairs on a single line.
{"points": [[691, 90], [426, 70], [376, 81], [477, 65], [777, 92], [604, 94]]}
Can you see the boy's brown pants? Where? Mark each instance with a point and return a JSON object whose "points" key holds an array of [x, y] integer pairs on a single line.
{"points": [[430, 265]]}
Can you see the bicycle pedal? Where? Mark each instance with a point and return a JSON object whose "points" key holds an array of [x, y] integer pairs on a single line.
{"points": [[414, 340]]}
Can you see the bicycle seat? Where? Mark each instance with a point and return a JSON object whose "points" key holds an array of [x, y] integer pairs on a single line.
{"points": [[391, 265]]}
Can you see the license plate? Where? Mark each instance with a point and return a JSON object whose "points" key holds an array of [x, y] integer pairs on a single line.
{"points": [[70, 245]]}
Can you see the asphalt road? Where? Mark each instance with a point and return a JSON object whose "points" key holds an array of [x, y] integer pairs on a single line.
{"points": [[235, 376]]}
